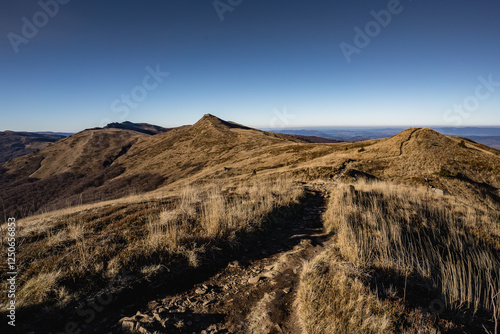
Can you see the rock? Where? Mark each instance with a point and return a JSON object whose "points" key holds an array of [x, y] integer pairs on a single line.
{"points": [[200, 290], [254, 280], [208, 302], [269, 274], [269, 267], [157, 317], [234, 264], [143, 318], [153, 304], [128, 325], [161, 313], [287, 290], [142, 330]]}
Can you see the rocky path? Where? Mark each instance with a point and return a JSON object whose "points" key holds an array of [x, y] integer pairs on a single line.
{"points": [[254, 293]]}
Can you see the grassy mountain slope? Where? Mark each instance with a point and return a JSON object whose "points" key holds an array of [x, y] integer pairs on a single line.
{"points": [[69, 172]]}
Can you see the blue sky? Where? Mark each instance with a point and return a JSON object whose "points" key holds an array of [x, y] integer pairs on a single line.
{"points": [[266, 64]]}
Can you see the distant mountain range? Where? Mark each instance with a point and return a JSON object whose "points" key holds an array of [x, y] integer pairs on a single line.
{"points": [[63, 134]]}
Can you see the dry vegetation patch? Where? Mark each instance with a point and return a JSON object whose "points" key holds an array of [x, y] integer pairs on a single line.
{"points": [[412, 244], [333, 299], [65, 257]]}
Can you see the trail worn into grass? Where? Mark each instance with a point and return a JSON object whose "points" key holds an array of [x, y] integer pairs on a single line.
{"points": [[406, 141], [253, 293]]}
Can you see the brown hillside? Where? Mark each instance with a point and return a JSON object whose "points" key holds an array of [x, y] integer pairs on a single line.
{"points": [[69, 172], [86, 152], [112, 162], [17, 144], [416, 155], [209, 143]]}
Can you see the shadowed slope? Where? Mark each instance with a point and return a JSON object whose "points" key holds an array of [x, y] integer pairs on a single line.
{"points": [[67, 172], [17, 144], [148, 129]]}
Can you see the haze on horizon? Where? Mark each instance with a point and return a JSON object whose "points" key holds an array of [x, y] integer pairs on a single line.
{"points": [[70, 65]]}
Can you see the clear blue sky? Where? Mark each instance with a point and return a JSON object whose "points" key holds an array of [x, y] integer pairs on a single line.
{"points": [[267, 64]]}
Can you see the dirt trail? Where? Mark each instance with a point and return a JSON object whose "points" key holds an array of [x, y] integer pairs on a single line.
{"points": [[253, 294], [406, 141]]}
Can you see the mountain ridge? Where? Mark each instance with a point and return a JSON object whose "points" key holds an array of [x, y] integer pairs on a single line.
{"points": [[146, 128], [98, 160]]}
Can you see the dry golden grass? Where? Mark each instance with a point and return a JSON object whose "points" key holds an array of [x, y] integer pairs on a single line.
{"points": [[415, 232], [333, 299], [412, 232], [70, 254], [41, 287], [212, 212]]}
